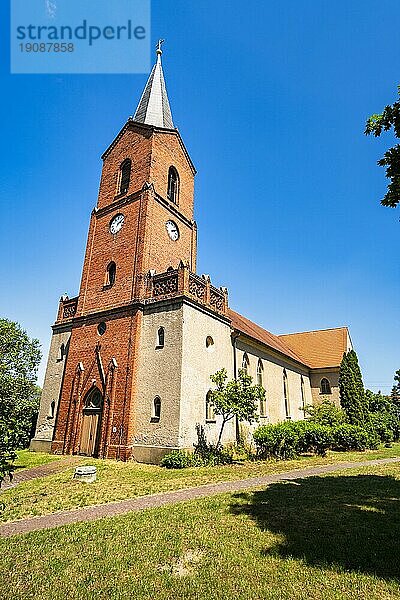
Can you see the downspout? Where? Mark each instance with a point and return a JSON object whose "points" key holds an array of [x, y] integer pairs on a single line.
{"points": [[234, 340]]}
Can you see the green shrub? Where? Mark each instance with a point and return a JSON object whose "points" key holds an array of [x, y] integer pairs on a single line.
{"points": [[279, 441], [209, 454], [373, 438], [288, 439], [382, 424], [177, 459], [386, 425], [326, 413], [314, 438], [204, 455], [349, 437]]}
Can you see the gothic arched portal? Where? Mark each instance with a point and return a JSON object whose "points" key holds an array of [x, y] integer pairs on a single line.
{"points": [[91, 423]]}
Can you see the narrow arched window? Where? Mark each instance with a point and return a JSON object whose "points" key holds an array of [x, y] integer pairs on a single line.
{"points": [[111, 274], [263, 401], [325, 386], [286, 394], [303, 394], [124, 176], [157, 408], [260, 370], [52, 410], [245, 363], [62, 352], [173, 185], [160, 338], [210, 414]]}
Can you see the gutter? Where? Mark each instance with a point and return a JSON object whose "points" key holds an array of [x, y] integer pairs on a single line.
{"points": [[234, 339]]}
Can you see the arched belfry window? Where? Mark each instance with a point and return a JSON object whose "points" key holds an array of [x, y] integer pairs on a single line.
{"points": [[160, 338], [325, 386], [111, 274], [245, 363], [173, 185], [286, 394], [124, 176]]}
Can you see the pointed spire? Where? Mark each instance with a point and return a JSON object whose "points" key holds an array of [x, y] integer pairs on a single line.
{"points": [[153, 108]]}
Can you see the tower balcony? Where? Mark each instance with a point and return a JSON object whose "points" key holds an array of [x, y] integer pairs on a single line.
{"points": [[154, 287], [67, 308], [183, 282]]}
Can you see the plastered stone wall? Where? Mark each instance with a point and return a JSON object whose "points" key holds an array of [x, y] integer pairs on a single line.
{"points": [[332, 375], [51, 389], [159, 374], [273, 366], [198, 364]]}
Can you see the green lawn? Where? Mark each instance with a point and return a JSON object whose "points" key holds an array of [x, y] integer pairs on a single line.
{"points": [[118, 481], [333, 537], [28, 460]]}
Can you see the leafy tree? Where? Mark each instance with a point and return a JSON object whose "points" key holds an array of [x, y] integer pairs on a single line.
{"points": [[395, 393], [388, 119], [377, 402], [236, 398], [19, 395], [351, 388]]}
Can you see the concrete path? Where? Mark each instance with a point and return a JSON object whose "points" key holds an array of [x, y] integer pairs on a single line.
{"points": [[27, 474], [92, 513]]}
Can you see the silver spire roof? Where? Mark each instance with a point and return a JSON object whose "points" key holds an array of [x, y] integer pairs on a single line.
{"points": [[153, 108]]}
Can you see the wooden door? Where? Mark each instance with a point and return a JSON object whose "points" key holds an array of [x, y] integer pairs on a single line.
{"points": [[90, 427]]}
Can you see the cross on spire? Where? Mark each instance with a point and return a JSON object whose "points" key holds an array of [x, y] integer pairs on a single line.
{"points": [[158, 47]]}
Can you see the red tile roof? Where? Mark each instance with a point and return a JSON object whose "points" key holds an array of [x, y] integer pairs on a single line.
{"points": [[319, 349], [315, 349], [256, 332]]}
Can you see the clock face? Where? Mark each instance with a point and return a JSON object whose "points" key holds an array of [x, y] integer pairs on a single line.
{"points": [[172, 229], [117, 223]]}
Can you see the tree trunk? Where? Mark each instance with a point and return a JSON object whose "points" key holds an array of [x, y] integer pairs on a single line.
{"points": [[224, 421]]}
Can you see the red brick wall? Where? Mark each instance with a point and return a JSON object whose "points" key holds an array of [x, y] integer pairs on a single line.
{"points": [[134, 143], [167, 151], [118, 342], [159, 251]]}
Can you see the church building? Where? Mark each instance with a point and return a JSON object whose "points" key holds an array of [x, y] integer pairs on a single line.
{"points": [[128, 372]]}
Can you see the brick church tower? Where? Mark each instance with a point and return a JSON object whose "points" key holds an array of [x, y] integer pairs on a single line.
{"points": [[141, 251]]}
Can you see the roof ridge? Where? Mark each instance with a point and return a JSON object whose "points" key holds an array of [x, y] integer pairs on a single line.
{"points": [[314, 331]]}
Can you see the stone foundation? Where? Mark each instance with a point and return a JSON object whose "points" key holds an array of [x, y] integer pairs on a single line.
{"points": [[38, 445], [150, 454]]}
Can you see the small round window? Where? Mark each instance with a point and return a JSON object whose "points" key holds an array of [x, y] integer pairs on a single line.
{"points": [[101, 329]]}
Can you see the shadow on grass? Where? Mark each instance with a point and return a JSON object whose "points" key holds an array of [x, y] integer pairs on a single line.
{"points": [[350, 522]]}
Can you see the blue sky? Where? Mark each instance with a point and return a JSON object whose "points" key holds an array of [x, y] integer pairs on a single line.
{"points": [[271, 100]]}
